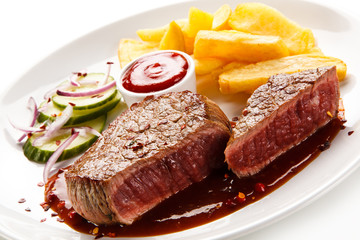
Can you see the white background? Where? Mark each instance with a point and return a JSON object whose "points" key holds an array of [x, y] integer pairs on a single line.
{"points": [[31, 30]]}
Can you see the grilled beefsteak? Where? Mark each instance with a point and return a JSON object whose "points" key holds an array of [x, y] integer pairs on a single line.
{"points": [[150, 152], [279, 115]]}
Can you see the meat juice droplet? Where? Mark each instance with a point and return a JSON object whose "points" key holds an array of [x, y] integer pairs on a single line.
{"points": [[259, 187]]}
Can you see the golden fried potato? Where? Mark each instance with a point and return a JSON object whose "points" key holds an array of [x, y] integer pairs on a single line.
{"points": [[233, 65], [238, 46], [173, 38], [258, 18], [151, 34], [183, 22], [156, 34], [189, 42], [249, 77], [208, 65], [221, 17], [197, 20], [207, 82], [129, 49], [314, 50]]}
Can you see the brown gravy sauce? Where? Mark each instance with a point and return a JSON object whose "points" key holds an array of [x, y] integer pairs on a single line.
{"points": [[215, 197]]}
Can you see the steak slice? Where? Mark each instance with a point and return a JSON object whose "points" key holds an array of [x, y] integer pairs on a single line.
{"points": [[153, 150], [279, 115]]}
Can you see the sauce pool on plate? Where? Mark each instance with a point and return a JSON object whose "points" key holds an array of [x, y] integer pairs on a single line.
{"points": [[217, 196]]}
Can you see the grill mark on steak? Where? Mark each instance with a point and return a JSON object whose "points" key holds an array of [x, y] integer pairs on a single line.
{"points": [[279, 115], [137, 162]]}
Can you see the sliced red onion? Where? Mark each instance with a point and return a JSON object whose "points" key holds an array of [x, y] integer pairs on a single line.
{"points": [[45, 106], [22, 137], [75, 76], [73, 80], [89, 82], [60, 90], [27, 129], [54, 127], [55, 156], [105, 79], [33, 107], [83, 131], [51, 92], [86, 130], [87, 93]]}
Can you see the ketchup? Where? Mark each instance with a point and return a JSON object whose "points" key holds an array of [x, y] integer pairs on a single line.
{"points": [[155, 72]]}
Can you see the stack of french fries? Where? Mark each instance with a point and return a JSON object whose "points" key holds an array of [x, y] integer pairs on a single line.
{"points": [[240, 48]]}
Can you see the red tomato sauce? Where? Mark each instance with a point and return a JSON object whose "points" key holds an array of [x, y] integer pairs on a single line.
{"points": [[155, 72]]}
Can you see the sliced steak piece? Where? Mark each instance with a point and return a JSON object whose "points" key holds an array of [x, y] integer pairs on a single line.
{"points": [[153, 150], [279, 115]]}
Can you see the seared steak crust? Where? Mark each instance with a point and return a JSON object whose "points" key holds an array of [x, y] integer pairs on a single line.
{"points": [[279, 115], [150, 152]]}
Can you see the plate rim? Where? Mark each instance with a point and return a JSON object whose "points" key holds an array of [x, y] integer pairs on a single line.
{"points": [[336, 180]]}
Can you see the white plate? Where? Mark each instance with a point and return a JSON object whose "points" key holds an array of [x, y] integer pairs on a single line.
{"points": [[330, 26]]}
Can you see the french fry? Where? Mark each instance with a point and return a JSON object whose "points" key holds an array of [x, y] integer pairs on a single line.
{"points": [[235, 51], [314, 50], [189, 43], [152, 34], [221, 17], [258, 18], [238, 46], [248, 78], [207, 83], [129, 49], [233, 65], [197, 20], [173, 38], [207, 65], [156, 34]]}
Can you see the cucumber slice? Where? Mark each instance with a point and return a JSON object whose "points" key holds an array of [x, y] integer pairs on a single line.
{"points": [[89, 102], [80, 116], [80, 144]]}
